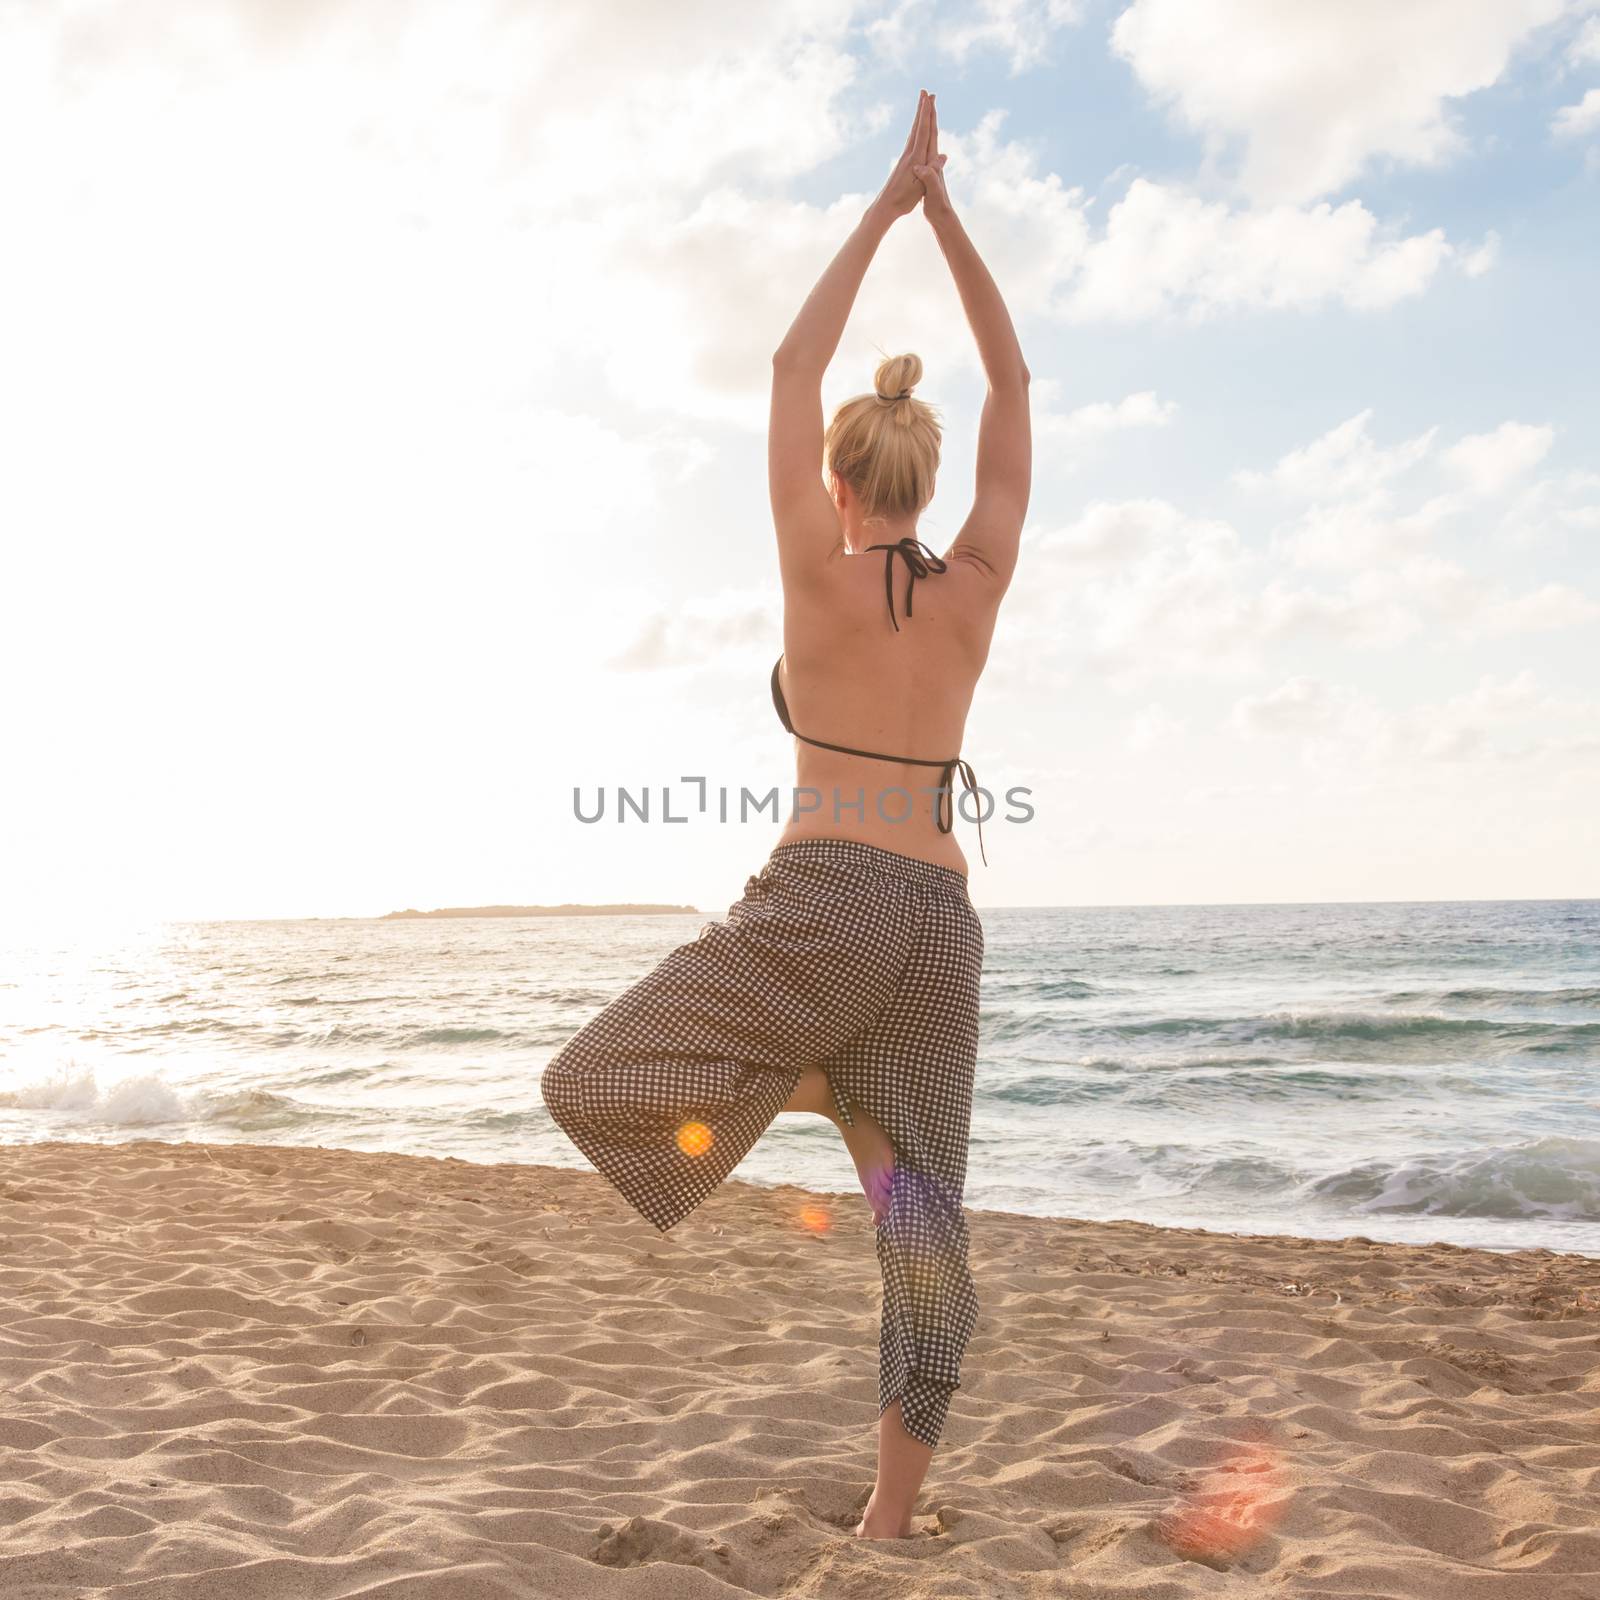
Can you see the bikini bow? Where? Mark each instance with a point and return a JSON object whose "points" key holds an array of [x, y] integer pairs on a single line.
{"points": [[919, 560]]}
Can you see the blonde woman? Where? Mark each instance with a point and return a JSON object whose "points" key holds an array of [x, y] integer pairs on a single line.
{"points": [[845, 982]]}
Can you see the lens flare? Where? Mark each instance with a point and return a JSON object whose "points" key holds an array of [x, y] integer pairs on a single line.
{"points": [[816, 1218], [695, 1138], [1239, 1502]]}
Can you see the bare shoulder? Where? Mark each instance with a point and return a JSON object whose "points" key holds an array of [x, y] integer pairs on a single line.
{"points": [[978, 574], [817, 581]]}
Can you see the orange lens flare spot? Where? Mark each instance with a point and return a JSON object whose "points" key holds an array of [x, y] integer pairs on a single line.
{"points": [[695, 1138], [817, 1218], [1240, 1501], [1206, 1536]]}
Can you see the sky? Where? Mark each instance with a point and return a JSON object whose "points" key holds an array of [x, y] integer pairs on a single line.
{"points": [[383, 394]]}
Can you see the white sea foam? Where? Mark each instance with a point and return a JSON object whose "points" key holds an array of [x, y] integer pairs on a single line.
{"points": [[1557, 1176], [75, 1095]]}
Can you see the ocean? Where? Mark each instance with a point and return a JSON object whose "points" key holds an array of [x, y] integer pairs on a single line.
{"points": [[1412, 1072]]}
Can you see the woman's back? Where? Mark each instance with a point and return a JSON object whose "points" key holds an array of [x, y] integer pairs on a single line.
{"points": [[850, 677]]}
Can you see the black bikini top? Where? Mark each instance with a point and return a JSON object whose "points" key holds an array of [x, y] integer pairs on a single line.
{"points": [[920, 562]]}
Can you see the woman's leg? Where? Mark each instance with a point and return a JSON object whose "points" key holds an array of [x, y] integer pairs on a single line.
{"points": [[813, 1092], [902, 1465], [870, 1147], [671, 1085], [912, 1069], [902, 1460]]}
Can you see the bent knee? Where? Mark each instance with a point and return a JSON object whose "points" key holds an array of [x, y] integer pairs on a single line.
{"points": [[559, 1085]]}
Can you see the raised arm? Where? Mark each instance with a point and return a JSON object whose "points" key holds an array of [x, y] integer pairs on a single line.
{"points": [[802, 512], [989, 538]]}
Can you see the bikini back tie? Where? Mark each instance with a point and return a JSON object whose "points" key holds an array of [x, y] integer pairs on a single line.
{"points": [[919, 560], [950, 766]]}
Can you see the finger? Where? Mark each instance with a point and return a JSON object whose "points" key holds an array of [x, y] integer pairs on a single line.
{"points": [[916, 124], [932, 130]]}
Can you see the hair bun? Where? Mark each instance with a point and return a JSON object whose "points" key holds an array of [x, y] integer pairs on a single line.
{"points": [[896, 377]]}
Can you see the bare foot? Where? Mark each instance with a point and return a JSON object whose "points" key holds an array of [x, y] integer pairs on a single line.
{"points": [[862, 1531], [873, 1153]]}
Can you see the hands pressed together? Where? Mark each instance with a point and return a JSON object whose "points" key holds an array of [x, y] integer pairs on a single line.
{"points": [[918, 176]]}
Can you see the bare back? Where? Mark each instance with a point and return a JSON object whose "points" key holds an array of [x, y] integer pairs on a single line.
{"points": [[851, 679]]}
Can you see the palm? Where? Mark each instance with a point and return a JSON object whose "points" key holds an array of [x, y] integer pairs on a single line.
{"points": [[905, 189]]}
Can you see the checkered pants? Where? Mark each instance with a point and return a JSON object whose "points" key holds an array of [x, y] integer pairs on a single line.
{"points": [[842, 955]]}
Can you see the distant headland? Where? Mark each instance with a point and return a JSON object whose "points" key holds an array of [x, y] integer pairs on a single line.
{"points": [[541, 911]]}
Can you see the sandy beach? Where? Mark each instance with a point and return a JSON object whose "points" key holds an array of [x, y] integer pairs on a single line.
{"points": [[249, 1372]]}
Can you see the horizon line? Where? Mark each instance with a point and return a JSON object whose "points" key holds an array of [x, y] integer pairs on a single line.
{"points": [[1055, 905]]}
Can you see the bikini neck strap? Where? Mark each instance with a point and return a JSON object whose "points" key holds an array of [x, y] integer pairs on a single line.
{"points": [[919, 560]]}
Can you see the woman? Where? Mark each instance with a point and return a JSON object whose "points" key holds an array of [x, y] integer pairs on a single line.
{"points": [[845, 982]]}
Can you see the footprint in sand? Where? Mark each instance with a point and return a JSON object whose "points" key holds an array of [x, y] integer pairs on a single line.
{"points": [[642, 1539]]}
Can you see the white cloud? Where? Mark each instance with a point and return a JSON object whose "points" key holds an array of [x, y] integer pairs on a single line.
{"points": [[1357, 532], [1207, 792], [1166, 252], [478, 96], [1490, 461], [1585, 44], [1465, 726], [1403, 594], [1299, 705], [1457, 729], [1370, 610], [1551, 605], [726, 627], [1140, 410], [1019, 28], [1572, 122], [1151, 727], [1353, 483], [1114, 531], [1344, 460], [1022, 30], [1138, 590], [1445, 594], [1339, 729], [1540, 507], [1312, 94], [1474, 263]]}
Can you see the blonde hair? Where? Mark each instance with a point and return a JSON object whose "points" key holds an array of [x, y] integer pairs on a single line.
{"points": [[885, 445]]}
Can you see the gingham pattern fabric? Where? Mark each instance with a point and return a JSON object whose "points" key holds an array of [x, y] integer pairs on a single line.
{"points": [[841, 955]]}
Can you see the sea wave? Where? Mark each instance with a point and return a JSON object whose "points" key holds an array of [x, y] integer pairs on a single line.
{"points": [[1031, 987], [1411, 1032], [1556, 1176], [1578, 996], [1203, 1082], [341, 1035], [75, 1095]]}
